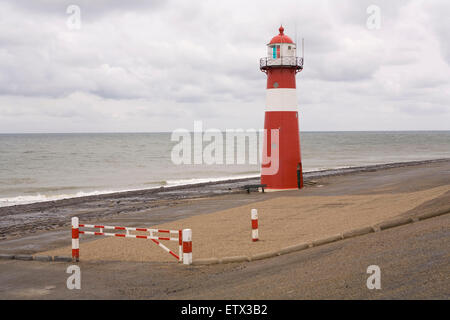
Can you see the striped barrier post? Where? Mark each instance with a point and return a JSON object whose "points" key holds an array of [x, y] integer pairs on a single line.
{"points": [[180, 245], [187, 246], [155, 238], [75, 240], [254, 215]]}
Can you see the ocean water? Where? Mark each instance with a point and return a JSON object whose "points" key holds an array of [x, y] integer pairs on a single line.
{"points": [[42, 167]]}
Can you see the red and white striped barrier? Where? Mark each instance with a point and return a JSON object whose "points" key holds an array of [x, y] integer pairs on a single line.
{"points": [[75, 240], [173, 235], [187, 246], [254, 215]]}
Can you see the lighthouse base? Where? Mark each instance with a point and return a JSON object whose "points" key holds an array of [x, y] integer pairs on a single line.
{"points": [[276, 190]]}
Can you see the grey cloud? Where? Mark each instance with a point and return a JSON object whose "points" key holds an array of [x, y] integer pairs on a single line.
{"points": [[201, 59], [439, 20], [90, 9]]}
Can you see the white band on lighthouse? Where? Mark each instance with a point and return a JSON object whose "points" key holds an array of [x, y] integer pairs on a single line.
{"points": [[281, 99]]}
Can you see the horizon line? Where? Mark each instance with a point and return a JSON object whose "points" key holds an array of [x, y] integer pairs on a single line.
{"points": [[140, 132]]}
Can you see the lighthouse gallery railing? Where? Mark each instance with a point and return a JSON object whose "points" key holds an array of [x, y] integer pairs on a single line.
{"points": [[287, 61]]}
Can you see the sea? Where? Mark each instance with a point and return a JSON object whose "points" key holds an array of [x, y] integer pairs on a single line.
{"points": [[44, 167]]}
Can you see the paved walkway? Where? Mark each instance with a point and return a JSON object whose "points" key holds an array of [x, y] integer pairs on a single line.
{"points": [[414, 262]]}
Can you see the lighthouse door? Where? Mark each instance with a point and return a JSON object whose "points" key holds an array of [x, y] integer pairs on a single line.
{"points": [[299, 175]]}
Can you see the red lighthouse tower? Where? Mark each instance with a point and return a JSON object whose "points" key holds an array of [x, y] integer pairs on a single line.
{"points": [[282, 165]]}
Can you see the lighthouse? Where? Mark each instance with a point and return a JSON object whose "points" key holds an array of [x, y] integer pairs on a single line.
{"points": [[281, 167]]}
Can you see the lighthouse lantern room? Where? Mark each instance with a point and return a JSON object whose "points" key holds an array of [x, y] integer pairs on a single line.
{"points": [[281, 166]]}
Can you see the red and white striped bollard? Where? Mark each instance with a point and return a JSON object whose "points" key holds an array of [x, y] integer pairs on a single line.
{"points": [[75, 240], [180, 245], [187, 246], [255, 235]]}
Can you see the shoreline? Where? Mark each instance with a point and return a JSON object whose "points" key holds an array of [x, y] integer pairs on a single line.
{"points": [[41, 217], [153, 190], [43, 226]]}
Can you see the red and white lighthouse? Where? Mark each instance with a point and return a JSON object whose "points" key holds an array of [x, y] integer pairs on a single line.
{"points": [[282, 165]]}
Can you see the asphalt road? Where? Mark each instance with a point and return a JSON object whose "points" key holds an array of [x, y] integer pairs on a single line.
{"points": [[414, 261]]}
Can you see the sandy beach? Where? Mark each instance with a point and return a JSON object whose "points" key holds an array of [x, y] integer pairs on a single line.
{"points": [[219, 213], [283, 221], [286, 218], [41, 217]]}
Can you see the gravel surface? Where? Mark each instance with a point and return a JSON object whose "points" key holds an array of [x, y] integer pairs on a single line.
{"points": [[283, 221]]}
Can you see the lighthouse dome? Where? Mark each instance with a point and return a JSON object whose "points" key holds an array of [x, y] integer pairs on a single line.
{"points": [[281, 38], [281, 53]]}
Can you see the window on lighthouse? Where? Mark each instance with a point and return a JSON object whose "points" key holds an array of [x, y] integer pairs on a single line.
{"points": [[275, 52]]}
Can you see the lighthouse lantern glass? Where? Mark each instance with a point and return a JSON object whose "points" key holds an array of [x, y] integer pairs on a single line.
{"points": [[276, 52]]}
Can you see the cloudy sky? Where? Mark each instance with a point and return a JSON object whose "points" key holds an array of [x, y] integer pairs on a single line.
{"points": [[142, 66]]}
